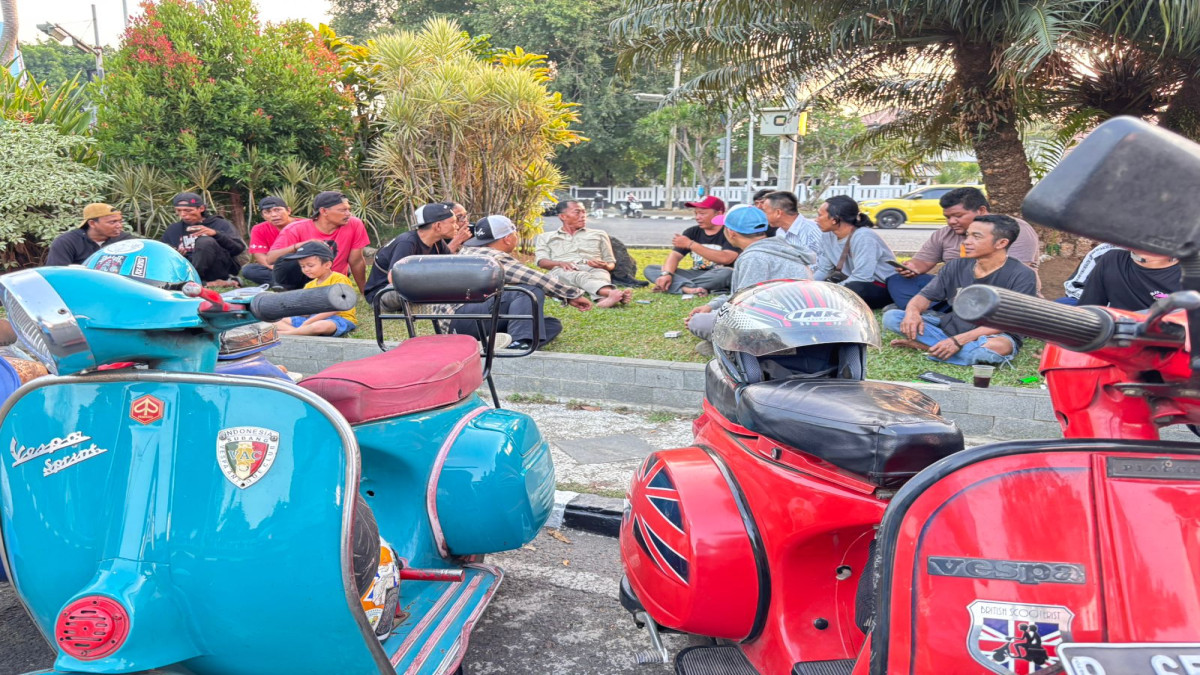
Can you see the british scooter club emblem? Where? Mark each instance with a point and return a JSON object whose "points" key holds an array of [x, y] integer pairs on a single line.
{"points": [[245, 454], [146, 409], [1009, 637]]}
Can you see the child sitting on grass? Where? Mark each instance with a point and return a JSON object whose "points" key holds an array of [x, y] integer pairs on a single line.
{"points": [[316, 262]]}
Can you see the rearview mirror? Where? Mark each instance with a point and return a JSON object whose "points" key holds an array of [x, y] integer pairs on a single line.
{"points": [[1129, 183]]}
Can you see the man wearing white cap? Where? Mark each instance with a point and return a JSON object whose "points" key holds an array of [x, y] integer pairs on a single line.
{"points": [[496, 237]]}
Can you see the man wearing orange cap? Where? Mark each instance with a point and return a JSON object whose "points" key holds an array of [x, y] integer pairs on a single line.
{"points": [[102, 225]]}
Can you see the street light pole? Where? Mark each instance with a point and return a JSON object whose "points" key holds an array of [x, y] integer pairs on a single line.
{"points": [[750, 159], [670, 200], [97, 50]]}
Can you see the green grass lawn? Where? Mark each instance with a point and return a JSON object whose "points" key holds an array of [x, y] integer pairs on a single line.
{"points": [[636, 331]]}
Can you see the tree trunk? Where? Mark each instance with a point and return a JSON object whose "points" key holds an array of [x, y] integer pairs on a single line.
{"points": [[988, 119], [1183, 113], [8, 37]]}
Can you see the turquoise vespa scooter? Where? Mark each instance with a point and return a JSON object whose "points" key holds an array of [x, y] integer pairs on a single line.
{"points": [[164, 518]]}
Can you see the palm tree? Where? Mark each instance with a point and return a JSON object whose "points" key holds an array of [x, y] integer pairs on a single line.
{"points": [[957, 71], [1168, 34], [8, 37]]}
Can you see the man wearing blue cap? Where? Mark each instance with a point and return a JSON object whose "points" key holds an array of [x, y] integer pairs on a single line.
{"points": [[762, 259]]}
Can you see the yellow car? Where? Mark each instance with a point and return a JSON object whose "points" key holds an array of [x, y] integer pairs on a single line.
{"points": [[919, 206]]}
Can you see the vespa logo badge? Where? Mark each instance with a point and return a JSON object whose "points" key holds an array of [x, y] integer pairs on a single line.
{"points": [[811, 315], [1007, 570], [146, 409], [245, 454], [1008, 637]]}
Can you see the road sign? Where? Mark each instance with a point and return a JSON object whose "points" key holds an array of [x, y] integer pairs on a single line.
{"points": [[782, 122]]}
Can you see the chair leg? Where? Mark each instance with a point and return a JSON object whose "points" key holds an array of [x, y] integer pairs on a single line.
{"points": [[492, 386]]}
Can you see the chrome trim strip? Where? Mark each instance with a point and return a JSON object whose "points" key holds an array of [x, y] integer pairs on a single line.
{"points": [[39, 304], [349, 442], [436, 472]]}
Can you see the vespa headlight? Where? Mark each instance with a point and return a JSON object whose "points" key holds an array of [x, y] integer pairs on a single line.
{"points": [[44, 324]]}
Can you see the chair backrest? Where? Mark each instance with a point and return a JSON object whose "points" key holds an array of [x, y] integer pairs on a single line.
{"points": [[447, 278]]}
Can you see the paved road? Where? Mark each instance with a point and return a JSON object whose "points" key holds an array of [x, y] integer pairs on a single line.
{"points": [[556, 613], [657, 232]]}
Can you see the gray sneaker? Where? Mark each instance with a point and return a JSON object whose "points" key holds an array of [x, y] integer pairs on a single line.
{"points": [[705, 348]]}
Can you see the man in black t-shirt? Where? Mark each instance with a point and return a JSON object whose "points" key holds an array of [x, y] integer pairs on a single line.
{"points": [[1131, 280], [435, 223], [712, 254], [102, 225], [947, 337]]}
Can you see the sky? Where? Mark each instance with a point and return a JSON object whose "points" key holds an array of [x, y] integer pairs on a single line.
{"points": [[76, 15]]}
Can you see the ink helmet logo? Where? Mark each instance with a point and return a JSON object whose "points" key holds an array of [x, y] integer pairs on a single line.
{"points": [[245, 454], [811, 315]]}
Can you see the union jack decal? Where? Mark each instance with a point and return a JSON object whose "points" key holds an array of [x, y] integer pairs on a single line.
{"points": [[657, 519]]}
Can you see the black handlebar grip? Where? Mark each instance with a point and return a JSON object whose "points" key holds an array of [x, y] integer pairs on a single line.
{"points": [[276, 306], [1077, 328]]}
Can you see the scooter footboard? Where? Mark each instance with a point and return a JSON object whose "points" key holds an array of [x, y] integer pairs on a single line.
{"points": [[995, 557], [158, 520]]}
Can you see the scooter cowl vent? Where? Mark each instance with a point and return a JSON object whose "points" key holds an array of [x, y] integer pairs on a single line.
{"points": [[92, 627]]}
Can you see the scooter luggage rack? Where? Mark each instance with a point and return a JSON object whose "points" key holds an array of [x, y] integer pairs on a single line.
{"points": [[439, 280]]}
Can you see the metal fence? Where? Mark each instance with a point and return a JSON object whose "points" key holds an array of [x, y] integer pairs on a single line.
{"points": [[656, 196]]}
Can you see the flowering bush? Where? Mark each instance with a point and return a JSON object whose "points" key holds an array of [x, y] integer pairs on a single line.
{"points": [[191, 83]]}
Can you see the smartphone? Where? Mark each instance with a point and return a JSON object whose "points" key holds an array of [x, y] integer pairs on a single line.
{"points": [[193, 228], [897, 265], [930, 376]]}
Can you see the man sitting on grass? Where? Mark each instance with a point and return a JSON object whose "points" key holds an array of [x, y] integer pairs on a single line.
{"points": [[316, 262], [946, 337], [579, 256], [762, 259]]}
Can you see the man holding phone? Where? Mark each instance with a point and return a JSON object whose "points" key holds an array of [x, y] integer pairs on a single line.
{"points": [[961, 207], [208, 241]]}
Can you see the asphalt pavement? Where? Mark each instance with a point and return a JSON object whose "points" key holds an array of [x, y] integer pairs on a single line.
{"points": [[656, 230]]}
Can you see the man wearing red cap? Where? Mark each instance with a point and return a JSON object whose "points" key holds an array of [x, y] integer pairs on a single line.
{"points": [[712, 254]]}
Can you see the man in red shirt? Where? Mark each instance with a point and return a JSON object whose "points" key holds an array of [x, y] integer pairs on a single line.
{"points": [[332, 225], [263, 236]]}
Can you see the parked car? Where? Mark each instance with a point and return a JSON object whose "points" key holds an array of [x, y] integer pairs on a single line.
{"points": [[919, 206]]}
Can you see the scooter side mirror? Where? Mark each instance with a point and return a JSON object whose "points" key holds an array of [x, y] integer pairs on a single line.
{"points": [[1129, 183]]}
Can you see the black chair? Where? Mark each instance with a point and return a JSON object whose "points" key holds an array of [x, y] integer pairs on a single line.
{"points": [[455, 280]]}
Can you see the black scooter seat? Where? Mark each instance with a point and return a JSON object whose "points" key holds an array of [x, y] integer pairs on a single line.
{"points": [[883, 432]]}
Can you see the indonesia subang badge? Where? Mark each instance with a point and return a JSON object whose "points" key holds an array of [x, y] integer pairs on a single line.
{"points": [[245, 454], [1009, 637]]}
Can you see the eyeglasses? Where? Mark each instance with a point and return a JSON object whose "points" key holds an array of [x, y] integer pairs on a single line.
{"points": [[462, 217]]}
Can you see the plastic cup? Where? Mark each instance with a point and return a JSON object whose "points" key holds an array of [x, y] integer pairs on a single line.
{"points": [[983, 375]]}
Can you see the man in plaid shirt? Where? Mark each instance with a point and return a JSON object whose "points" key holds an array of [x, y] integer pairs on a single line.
{"points": [[496, 237]]}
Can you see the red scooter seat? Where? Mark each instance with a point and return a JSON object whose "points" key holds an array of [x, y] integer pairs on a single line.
{"points": [[421, 374], [883, 432]]}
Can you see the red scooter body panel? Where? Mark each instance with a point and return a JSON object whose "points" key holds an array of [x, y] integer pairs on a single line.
{"points": [[687, 540], [812, 522], [981, 562]]}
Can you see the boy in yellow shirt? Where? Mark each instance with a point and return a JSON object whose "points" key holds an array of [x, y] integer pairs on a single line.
{"points": [[316, 262]]}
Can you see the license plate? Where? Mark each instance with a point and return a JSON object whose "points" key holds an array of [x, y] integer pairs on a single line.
{"points": [[1130, 659]]}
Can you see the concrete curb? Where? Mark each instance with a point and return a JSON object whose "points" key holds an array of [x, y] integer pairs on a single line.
{"points": [[1005, 413], [595, 514]]}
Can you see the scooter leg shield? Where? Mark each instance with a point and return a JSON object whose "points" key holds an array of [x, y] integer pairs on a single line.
{"points": [[994, 558], [686, 549], [157, 520]]}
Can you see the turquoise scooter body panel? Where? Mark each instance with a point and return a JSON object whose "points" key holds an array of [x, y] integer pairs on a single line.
{"points": [[214, 575]]}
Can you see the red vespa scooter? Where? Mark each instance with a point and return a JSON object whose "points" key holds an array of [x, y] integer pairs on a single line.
{"points": [[823, 524]]}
